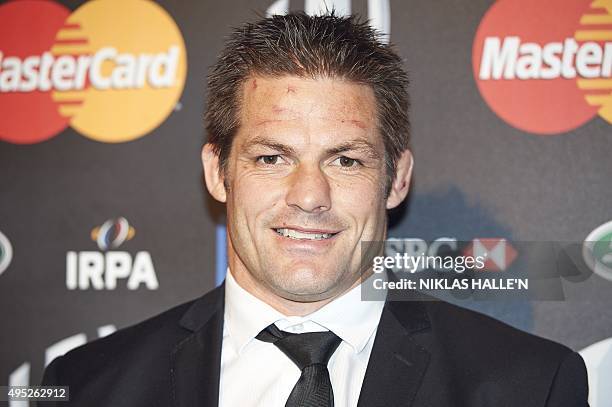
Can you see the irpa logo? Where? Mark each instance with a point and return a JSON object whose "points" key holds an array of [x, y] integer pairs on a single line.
{"points": [[101, 270], [112, 233], [113, 69], [545, 67]]}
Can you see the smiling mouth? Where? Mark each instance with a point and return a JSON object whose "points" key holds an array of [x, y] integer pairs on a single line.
{"points": [[303, 235]]}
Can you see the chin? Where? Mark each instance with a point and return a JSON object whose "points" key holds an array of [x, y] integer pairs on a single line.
{"points": [[307, 281]]}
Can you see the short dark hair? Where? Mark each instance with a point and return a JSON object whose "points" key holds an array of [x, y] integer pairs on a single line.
{"points": [[312, 47]]}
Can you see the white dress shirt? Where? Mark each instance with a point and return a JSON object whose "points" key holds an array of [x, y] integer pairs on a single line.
{"points": [[256, 373]]}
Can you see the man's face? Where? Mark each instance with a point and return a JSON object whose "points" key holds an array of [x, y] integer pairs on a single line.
{"points": [[305, 185]]}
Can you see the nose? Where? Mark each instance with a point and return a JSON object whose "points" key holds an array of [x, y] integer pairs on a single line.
{"points": [[309, 189]]}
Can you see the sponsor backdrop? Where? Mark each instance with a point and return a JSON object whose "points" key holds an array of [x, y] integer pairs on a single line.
{"points": [[104, 220]]}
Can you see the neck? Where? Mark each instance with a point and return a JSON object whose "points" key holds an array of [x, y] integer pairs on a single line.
{"points": [[283, 305]]}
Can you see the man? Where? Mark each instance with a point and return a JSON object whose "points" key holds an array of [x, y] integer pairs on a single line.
{"points": [[308, 148]]}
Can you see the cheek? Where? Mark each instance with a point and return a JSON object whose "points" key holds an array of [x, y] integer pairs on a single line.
{"points": [[359, 196], [254, 197], [364, 203]]}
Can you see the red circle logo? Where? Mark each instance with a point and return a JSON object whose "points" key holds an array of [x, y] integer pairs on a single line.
{"points": [[545, 68], [112, 70], [28, 28]]}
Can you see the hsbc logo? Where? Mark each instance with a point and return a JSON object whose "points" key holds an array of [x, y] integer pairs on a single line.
{"points": [[500, 254]]}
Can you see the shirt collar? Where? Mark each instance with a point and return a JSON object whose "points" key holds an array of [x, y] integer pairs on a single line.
{"points": [[245, 314], [348, 316]]}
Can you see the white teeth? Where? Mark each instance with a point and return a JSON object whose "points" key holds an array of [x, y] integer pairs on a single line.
{"points": [[294, 234]]}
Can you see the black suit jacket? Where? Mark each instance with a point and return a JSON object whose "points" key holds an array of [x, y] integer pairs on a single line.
{"points": [[426, 353]]}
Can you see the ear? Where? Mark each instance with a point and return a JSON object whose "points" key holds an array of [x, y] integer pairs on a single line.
{"points": [[401, 182], [212, 174]]}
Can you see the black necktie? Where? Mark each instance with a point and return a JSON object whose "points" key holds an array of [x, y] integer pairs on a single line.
{"points": [[310, 352]]}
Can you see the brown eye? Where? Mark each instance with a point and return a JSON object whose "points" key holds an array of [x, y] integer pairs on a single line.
{"points": [[347, 162], [268, 159]]}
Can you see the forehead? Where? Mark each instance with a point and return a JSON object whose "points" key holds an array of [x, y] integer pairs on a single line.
{"points": [[315, 104]]}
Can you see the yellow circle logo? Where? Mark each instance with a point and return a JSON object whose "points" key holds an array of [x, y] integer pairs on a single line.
{"points": [[119, 68]]}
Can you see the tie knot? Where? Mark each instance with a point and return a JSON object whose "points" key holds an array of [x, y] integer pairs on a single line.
{"points": [[312, 348]]}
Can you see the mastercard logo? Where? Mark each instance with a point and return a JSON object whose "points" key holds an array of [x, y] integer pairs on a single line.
{"points": [[113, 70], [543, 66]]}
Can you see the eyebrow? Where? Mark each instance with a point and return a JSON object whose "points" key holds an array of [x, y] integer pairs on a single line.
{"points": [[352, 145], [271, 144], [356, 145]]}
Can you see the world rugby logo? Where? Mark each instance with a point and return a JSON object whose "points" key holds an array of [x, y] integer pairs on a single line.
{"points": [[113, 69], [545, 67]]}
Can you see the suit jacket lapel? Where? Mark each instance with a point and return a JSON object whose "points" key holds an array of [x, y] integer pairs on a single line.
{"points": [[196, 360], [397, 363], [393, 377]]}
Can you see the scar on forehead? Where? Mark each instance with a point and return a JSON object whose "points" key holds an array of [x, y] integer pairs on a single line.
{"points": [[278, 109], [254, 84], [357, 123], [291, 88]]}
